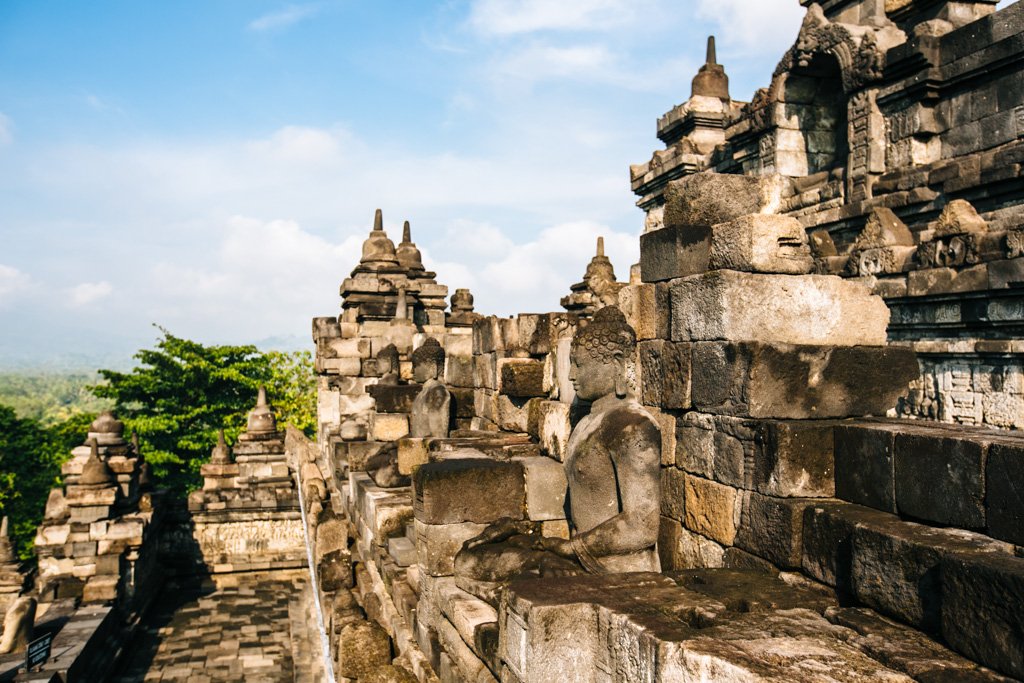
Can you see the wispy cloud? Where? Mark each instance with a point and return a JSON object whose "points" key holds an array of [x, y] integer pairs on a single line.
{"points": [[12, 281], [89, 292], [509, 17], [275, 21], [765, 27], [99, 104]]}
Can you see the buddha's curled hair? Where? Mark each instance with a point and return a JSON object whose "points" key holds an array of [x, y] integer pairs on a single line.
{"points": [[607, 333], [430, 351]]}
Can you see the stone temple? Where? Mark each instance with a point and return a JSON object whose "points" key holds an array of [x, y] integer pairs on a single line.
{"points": [[786, 447]]}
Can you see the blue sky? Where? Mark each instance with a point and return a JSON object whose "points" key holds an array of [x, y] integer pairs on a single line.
{"points": [[213, 166]]}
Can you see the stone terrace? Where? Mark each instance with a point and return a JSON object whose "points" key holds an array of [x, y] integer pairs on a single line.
{"points": [[249, 628]]}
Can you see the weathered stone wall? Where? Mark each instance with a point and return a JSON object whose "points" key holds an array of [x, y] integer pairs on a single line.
{"points": [[901, 110]]}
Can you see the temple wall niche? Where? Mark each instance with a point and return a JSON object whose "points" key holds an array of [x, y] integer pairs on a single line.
{"points": [[812, 134]]}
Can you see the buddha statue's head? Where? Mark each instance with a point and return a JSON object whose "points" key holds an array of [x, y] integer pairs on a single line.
{"points": [[387, 360], [599, 355], [428, 361]]}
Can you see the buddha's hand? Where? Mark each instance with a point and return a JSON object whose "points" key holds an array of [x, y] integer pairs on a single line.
{"points": [[499, 531], [559, 546]]}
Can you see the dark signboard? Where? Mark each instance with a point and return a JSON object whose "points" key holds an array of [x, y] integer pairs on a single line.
{"points": [[38, 651]]}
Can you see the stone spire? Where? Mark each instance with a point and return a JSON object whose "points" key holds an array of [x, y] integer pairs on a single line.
{"points": [[107, 430], [221, 454], [711, 80], [599, 287], [408, 254], [378, 250], [462, 314], [95, 472], [261, 419]]}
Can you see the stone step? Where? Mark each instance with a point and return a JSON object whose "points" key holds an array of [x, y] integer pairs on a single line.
{"points": [[402, 550], [965, 586], [944, 474]]}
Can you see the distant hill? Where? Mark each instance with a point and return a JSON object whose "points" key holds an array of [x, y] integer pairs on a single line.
{"points": [[50, 397]]}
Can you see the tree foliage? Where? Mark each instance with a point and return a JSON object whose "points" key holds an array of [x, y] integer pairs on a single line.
{"points": [[30, 458], [182, 392]]}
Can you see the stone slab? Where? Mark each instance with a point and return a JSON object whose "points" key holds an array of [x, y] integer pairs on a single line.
{"points": [[1004, 500], [394, 398], [772, 528], [983, 609], [712, 509], [521, 377], [799, 382], [790, 309], [469, 490], [546, 488], [665, 374], [941, 479], [795, 459], [712, 198], [437, 544], [865, 472]]}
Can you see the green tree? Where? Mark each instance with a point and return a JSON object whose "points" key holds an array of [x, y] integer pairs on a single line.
{"points": [[182, 392], [30, 460]]}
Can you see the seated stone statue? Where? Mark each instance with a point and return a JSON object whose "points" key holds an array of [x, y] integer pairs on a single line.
{"points": [[388, 365], [612, 467], [431, 411]]}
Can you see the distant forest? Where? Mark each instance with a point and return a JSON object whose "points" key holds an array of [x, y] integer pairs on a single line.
{"points": [[51, 398], [177, 398]]}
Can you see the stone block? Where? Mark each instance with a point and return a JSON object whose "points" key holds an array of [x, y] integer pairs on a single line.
{"points": [[389, 426], [665, 374], [362, 648], [469, 490], [680, 548], [555, 427], [1004, 500], [394, 398], [772, 528], [941, 479], [673, 493], [795, 459], [511, 414], [485, 370], [646, 307], [674, 251], [752, 243], [712, 198], [712, 509], [357, 453], [437, 544], [546, 488], [896, 569], [521, 377], [412, 452], [487, 335], [717, 447], [865, 472], [458, 371], [789, 309], [983, 609], [799, 382], [761, 244], [827, 545]]}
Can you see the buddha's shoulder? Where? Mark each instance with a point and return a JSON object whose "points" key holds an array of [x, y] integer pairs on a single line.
{"points": [[629, 415]]}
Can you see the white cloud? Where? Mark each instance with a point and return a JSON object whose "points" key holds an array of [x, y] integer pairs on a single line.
{"points": [[300, 144], [12, 281], [509, 17], [292, 14], [89, 292], [6, 128], [760, 27], [508, 277]]}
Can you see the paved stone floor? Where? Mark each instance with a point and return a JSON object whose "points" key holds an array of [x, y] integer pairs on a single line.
{"points": [[238, 630]]}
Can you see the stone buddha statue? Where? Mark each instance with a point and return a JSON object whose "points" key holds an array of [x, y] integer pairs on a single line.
{"points": [[431, 411], [388, 365], [612, 467]]}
